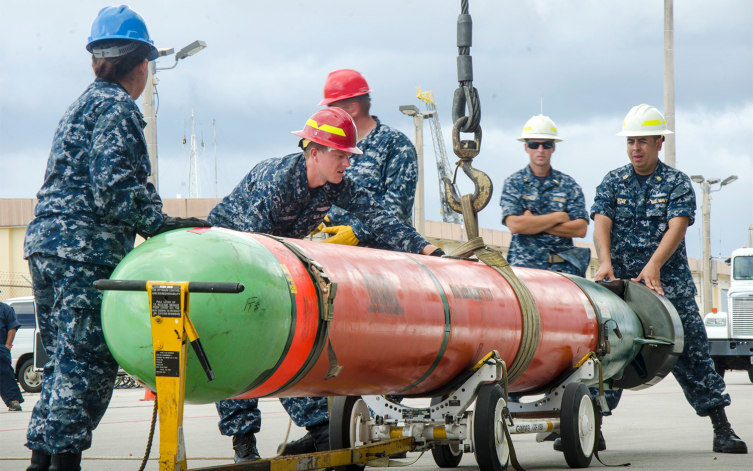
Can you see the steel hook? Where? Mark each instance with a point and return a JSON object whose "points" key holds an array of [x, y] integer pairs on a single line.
{"points": [[482, 188]]}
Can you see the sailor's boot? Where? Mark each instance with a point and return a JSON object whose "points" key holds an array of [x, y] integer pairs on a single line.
{"points": [[725, 440], [65, 462], [40, 461], [317, 439], [245, 448]]}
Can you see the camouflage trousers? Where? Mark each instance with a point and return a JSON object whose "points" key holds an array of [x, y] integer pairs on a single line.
{"points": [[694, 370], [78, 379], [241, 416]]}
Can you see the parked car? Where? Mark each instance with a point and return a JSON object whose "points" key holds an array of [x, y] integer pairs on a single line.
{"points": [[22, 353], [28, 355]]}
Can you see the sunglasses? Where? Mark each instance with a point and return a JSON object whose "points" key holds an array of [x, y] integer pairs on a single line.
{"points": [[535, 145]]}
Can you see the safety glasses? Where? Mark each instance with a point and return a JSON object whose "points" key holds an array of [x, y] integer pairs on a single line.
{"points": [[535, 145]]}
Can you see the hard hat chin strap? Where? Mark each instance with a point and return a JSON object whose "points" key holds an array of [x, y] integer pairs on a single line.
{"points": [[115, 51]]}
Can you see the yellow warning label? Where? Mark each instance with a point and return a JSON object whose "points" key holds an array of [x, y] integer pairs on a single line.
{"points": [[288, 277]]}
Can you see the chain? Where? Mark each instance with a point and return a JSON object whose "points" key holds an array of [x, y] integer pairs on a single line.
{"points": [[466, 94]]}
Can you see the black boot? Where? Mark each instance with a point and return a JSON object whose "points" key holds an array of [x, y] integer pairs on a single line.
{"points": [[65, 462], [245, 448], [317, 439], [725, 440], [40, 461], [558, 443]]}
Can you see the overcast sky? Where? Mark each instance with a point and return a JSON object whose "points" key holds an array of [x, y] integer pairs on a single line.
{"points": [[262, 73]]}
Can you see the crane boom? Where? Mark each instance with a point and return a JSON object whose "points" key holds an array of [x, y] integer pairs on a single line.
{"points": [[443, 164]]}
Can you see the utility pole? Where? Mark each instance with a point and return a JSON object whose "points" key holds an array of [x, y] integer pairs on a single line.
{"points": [[419, 221], [150, 116], [669, 83], [418, 207], [214, 127], [148, 103], [706, 211], [194, 188], [707, 300]]}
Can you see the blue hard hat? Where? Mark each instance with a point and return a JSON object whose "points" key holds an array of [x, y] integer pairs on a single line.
{"points": [[120, 23]]}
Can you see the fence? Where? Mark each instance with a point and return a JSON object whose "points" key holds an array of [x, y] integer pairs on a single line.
{"points": [[14, 285]]}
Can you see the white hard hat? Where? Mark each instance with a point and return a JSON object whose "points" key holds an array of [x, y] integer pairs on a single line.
{"points": [[539, 127], [644, 120]]}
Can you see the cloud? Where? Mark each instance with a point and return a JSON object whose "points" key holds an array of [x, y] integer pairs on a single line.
{"points": [[262, 75]]}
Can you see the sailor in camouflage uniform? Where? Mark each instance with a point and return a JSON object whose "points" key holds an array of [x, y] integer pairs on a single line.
{"points": [[94, 200], [387, 168], [641, 213], [544, 208], [290, 197]]}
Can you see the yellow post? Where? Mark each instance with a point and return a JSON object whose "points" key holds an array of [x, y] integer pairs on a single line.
{"points": [[168, 304]]}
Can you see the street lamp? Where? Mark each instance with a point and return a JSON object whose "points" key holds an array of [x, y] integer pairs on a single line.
{"points": [[418, 125], [706, 210], [149, 103]]}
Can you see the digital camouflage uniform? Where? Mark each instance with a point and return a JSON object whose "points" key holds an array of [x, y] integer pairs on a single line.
{"points": [[274, 198], [522, 191], [640, 218], [94, 199], [388, 169]]}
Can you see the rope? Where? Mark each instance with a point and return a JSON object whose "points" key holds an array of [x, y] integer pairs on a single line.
{"points": [[493, 258], [599, 418], [151, 436], [284, 441]]}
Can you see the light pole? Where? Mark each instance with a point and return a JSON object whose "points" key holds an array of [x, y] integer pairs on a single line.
{"points": [[669, 83], [706, 211], [150, 105], [418, 125]]}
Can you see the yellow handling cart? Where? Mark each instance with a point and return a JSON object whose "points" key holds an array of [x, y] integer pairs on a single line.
{"points": [[171, 329]]}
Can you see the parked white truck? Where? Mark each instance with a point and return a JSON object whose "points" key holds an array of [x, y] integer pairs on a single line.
{"points": [[731, 333]]}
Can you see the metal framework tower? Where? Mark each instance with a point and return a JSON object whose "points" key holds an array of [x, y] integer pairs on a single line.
{"points": [[443, 164], [194, 188]]}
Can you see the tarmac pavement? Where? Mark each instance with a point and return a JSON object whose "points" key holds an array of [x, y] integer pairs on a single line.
{"points": [[652, 429]]}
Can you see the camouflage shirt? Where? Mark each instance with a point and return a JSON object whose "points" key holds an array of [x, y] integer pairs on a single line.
{"points": [[95, 195], [522, 191], [640, 217], [388, 169], [274, 198]]}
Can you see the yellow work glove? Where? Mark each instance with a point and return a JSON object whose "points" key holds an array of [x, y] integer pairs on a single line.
{"points": [[342, 235], [320, 226]]}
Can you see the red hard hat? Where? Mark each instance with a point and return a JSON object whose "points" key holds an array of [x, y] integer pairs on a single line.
{"points": [[332, 127], [342, 84]]}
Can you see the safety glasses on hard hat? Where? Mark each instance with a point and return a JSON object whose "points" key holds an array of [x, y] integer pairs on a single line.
{"points": [[535, 145]]}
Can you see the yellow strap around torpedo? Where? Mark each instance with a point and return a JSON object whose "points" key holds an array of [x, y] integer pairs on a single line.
{"points": [[492, 257]]}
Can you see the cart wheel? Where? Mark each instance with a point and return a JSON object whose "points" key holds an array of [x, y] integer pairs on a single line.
{"points": [[346, 411], [577, 425], [490, 445], [446, 456], [750, 374]]}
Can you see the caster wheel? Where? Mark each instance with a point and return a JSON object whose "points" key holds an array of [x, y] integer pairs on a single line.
{"points": [[489, 442], [344, 415], [577, 425], [446, 456]]}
